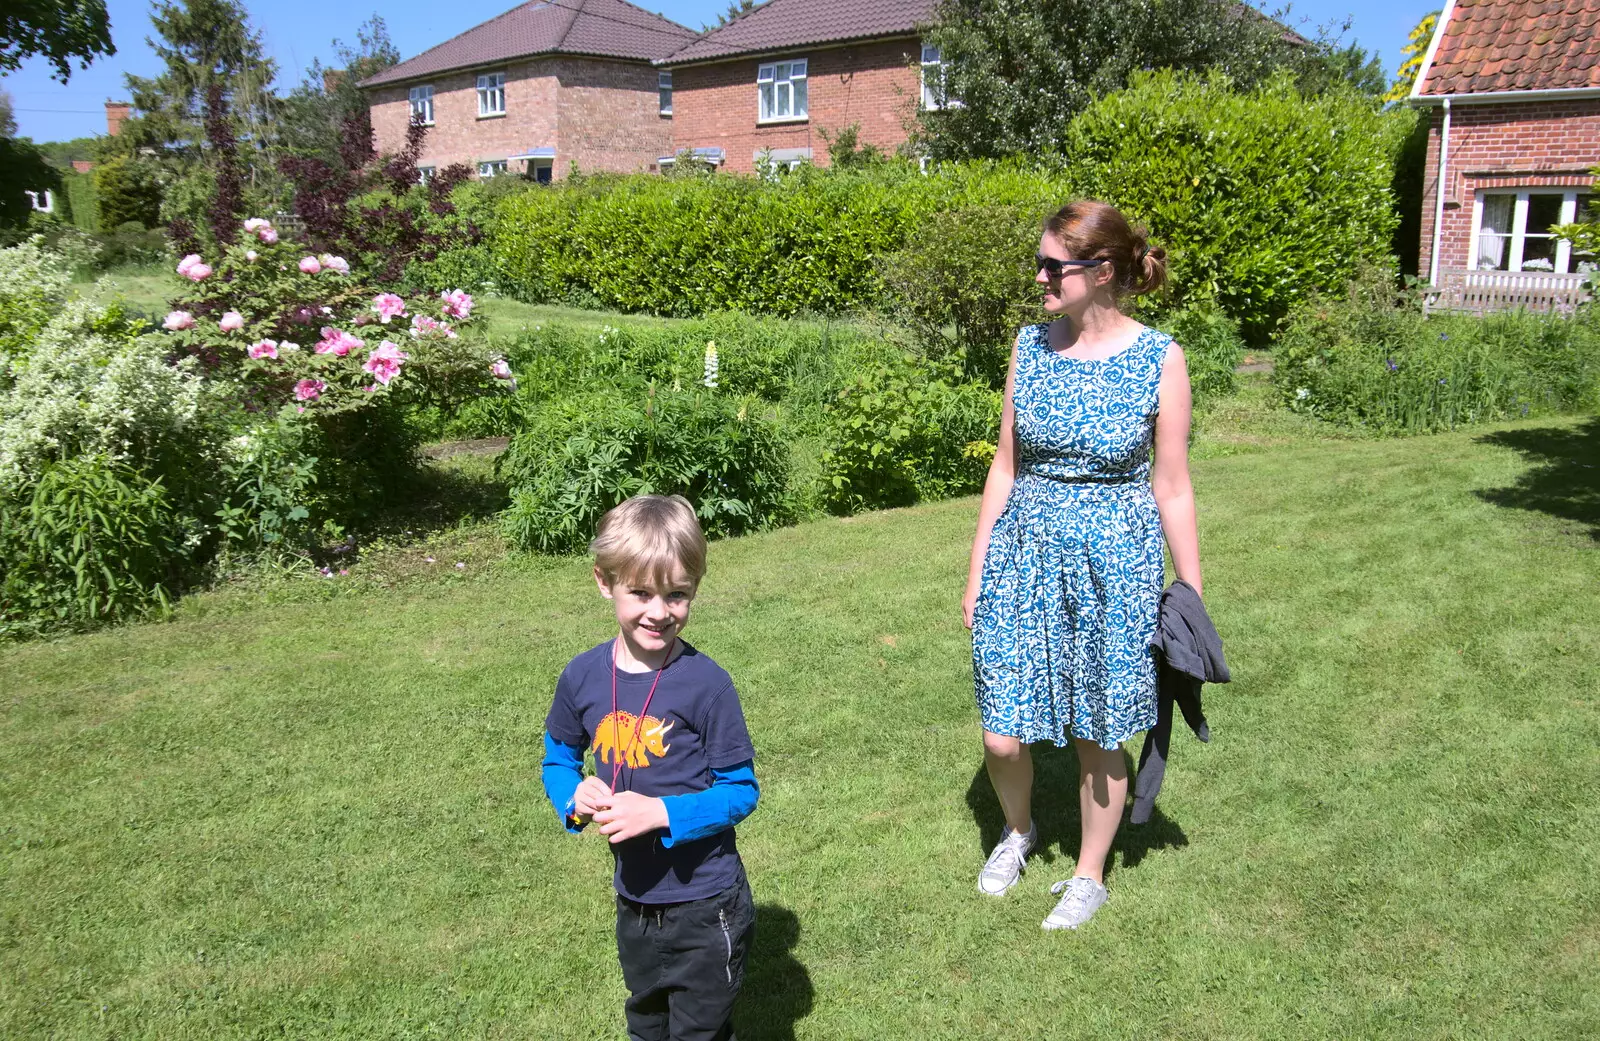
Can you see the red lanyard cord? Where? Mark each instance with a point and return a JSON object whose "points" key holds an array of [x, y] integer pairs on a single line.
{"points": [[638, 724]]}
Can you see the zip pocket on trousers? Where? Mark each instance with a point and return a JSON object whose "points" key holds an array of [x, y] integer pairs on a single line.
{"points": [[722, 916]]}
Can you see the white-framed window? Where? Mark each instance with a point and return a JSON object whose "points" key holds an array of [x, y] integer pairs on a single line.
{"points": [[1511, 229], [491, 167], [933, 96], [421, 105], [426, 174], [782, 87], [492, 94], [664, 89]]}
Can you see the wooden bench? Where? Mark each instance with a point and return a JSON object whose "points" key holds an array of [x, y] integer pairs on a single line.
{"points": [[1480, 292]]}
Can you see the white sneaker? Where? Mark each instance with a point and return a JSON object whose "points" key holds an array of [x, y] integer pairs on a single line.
{"points": [[1083, 898], [1003, 869]]}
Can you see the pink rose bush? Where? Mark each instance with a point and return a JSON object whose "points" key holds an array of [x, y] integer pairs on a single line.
{"points": [[500, 369], [245, 313]]}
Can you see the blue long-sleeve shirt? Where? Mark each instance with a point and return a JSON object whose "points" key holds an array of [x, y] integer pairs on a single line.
{"points": [[731, 797]]}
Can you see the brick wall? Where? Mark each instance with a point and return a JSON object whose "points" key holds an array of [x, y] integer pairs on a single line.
{"points": [[876, 84], [603, 114], [1521, 144]]}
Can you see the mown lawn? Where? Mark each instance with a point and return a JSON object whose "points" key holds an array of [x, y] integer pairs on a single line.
{"points": [[321, 816]]}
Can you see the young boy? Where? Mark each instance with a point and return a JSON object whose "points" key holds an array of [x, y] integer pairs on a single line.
{"points": [[674, 774]]}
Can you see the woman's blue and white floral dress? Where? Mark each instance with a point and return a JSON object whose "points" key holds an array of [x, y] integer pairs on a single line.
{"points": [[1073, 575]]}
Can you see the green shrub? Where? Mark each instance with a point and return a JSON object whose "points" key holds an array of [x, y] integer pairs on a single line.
{"points": [[1372, 360], [579, 458], [82, 200], [1260, 198], [92, 541], [127, 191], [897, 436], [1211, 345], [130, 243], [963, 284], [268, 489], [33, 288]]}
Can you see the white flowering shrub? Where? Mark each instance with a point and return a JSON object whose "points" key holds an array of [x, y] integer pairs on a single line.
{"points": [[33, 286], [90, 384]]}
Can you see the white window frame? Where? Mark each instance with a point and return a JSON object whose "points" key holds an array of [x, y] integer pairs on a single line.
{"points": [[488, 168], [664, 92], [491, 94], [1519, 225], [421, 100], [774, 92], [933, 67], [426, 174]]}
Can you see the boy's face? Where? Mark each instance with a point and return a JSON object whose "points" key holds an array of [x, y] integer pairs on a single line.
{"points": [[649, 614]]}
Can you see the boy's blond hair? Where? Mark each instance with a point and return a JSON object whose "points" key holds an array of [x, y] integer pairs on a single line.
{"points": [[650, 537]]}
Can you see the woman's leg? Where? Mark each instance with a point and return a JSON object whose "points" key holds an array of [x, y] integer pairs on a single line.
{"points": [[1102, 791], [1010, 766]]}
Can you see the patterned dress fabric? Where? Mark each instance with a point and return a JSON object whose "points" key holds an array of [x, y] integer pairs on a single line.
{"points": [[1073, 575]]}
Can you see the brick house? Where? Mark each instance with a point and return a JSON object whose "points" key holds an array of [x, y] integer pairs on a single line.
{"points": [[1513, 93], [777, 75], [535, 89]]}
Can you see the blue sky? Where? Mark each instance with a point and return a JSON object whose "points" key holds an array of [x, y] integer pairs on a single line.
{"points": [[296, 31]]}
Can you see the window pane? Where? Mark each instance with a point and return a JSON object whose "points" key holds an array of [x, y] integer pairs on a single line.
{"points": [[764, 74], [1539, 252], [799, 97], [1543, 211], [797, 68], [1497, 210], [664, 80], [930, 54], [767, 100], [785, 98], [1494, 251]]}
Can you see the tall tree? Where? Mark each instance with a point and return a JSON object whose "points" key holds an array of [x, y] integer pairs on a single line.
{"points": [[1022, 68], [60, 30], [8, 119], [202, 43], [1415, 50], [314, 114], [1326, 68]]}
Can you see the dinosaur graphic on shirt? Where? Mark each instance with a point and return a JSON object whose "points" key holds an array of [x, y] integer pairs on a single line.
{"points": [[614, 739]]}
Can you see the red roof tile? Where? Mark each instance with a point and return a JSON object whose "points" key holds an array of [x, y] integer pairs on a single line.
{"points": [[1495, 45], [604, 28], [780, 25]]}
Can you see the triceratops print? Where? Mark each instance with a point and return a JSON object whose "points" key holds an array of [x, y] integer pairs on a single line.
{"points": [[614, 739]]}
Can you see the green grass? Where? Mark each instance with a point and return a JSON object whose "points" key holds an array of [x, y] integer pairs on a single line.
{"points": [[319, 814]]}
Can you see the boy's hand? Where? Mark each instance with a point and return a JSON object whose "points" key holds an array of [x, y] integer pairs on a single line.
{"points": [[592, 795], [629, 814]]}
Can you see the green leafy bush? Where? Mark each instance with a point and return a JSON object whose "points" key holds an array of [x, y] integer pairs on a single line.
{"points": [[1211, 345], [91, 541], [897, 436], [1260, 198], [962, 283], [1372, 360], [578, 459], [82, 200], [127, 190], [33, 288]]}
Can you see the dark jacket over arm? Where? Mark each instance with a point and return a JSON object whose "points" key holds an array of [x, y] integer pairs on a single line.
{"points": [[1190, 653]]}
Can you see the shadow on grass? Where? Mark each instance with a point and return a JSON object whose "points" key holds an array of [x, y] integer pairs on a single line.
{"points": [[1564, 483], [777, 991], [1056, 814]]}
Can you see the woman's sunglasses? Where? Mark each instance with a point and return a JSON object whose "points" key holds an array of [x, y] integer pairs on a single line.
{"points": [[1056, 268]]}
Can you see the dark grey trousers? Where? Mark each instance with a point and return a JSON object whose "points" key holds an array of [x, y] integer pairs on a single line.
{"points": [[684, 963]]}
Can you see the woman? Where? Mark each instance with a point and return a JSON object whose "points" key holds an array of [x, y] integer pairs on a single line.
{"points": [[1066, 570]]}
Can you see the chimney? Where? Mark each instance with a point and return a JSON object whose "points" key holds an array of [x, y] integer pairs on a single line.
{"points": [[117, 112], [331, 78]]}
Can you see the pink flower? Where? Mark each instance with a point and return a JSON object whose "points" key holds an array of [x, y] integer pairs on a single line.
{"points": [[388, 306], [310, 265], [264, 349], [384, 363], [338, 265], [457, 304], [500, 369], [177, 321], [337, 342], [188, 262], [198, 273], [268, 235], [255, 224], [422, 325], [251, 255], [232, 322], [309, 389]]}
